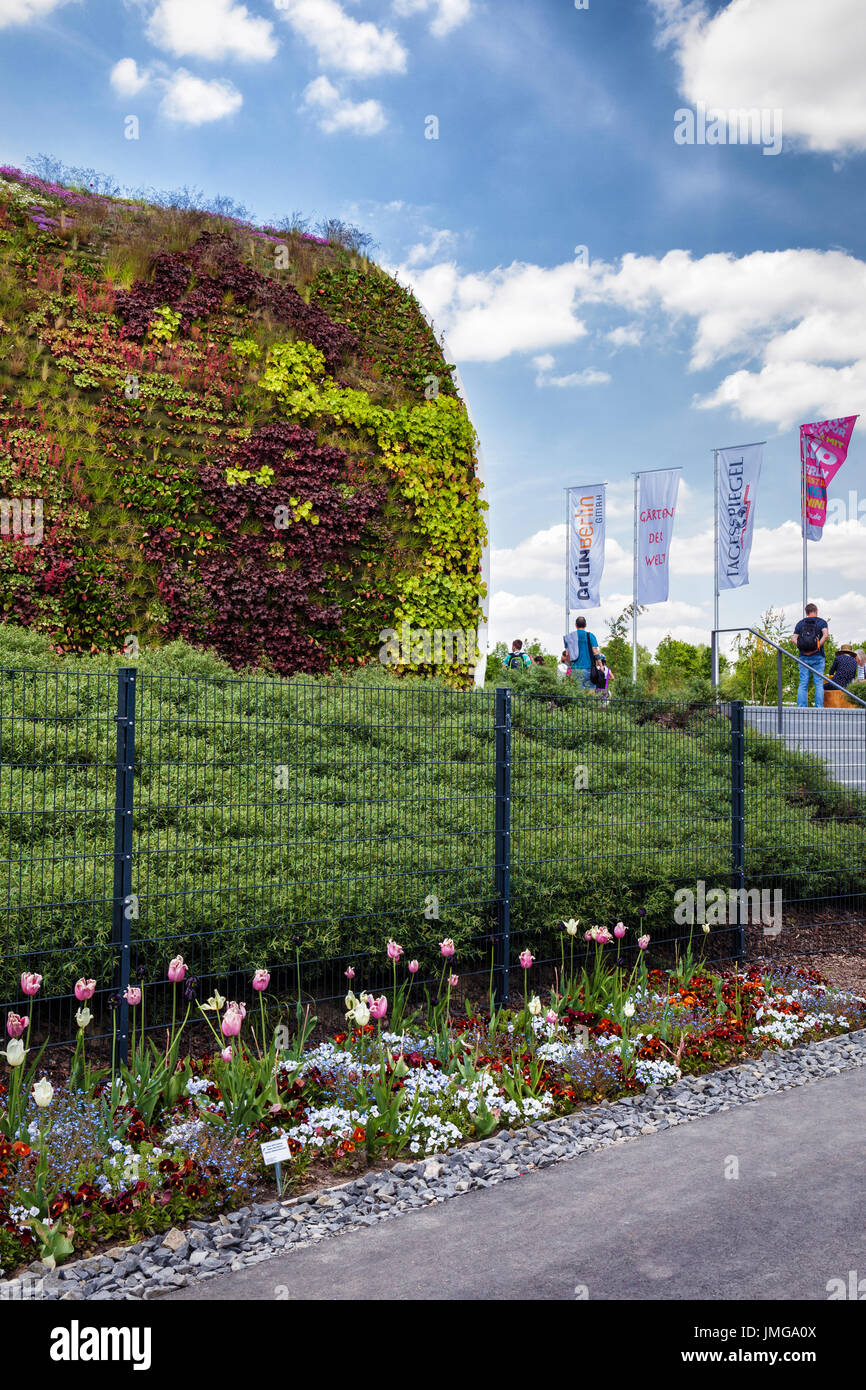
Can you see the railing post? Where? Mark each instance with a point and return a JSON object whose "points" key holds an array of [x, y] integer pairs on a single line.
{"points": [[780, 681], [738, 813], [123, 793], [502, 842], [714, 658]]}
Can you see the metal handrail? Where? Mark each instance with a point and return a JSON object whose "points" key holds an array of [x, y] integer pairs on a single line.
{"points": [[780, 653]]}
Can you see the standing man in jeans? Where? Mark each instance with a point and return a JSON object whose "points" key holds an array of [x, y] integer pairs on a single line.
{"points": [[811, 633], [582, 648]]}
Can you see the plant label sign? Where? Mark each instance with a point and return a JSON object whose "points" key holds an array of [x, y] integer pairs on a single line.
{"points": [[275, 1150]]}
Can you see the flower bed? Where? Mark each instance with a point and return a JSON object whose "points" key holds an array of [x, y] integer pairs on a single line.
{"points": [[120, 1152]]}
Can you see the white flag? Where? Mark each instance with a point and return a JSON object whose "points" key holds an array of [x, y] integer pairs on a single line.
{"points": [[586, 545], [656, 512], [739, 474]]}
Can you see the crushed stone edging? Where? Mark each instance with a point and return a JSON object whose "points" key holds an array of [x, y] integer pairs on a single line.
{"points": [[200, 1250]]}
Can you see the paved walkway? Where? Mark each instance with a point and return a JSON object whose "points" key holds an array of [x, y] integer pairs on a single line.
{"points": [[655, 1218]]}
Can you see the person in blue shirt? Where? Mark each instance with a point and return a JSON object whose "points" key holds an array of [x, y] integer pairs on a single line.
{"points": [[811, 633], [582, 648]]}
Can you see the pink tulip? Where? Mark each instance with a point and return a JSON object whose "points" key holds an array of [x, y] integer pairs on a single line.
{"points": [[177, 970], [226, 1054], [84, 990], [30, 983], [16, 1026], [452, 981], [619, 931], [588, 935], [643, 942], [261, 979], [378, 1007], [132, 995], [232, 1022], [550, 1015], [413, 967], [526, 959], [350, 974], [394, 951], [447, 948]]}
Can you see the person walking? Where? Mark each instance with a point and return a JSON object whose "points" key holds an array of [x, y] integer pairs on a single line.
{"points": [[811, 633], [517, 657], [861, 664], [582, 648], [844, 668]]}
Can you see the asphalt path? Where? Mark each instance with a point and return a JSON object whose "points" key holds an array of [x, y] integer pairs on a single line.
{"points": [[659, 1217]]}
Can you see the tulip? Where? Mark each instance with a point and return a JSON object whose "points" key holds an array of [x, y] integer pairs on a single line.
{"points": [[452, 981], [588, 935], [132, 995], [261, 979], [351, 1001], [550, 1016], [378, 1007], [232, 1022], [447, 947], [361, 1014], [177, 970], [394, 951], [43, 1092], [705, 929], [535, 1006], [628, 1008], [226, 1054], [15, 1052], [350, 974], [238, 1008], [83, 1017], [526, 959], [16, 1026], [30, 983], [413, 967], [84, 990], [643, 942], [215, 1003], [619, 931], [572, 926]]}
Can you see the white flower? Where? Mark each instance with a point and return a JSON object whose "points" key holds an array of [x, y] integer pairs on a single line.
{"points": [[43, 1092], [361, 1014], [215, 1002], [572, 926], [15, 1052], [628, 1008], [83, 1017], [535, 1006]]}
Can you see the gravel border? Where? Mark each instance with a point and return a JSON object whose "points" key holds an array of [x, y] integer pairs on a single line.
{"points": [[202, 1249]]}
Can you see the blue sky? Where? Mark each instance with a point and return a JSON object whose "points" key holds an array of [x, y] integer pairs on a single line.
{"points": [[722, 294]]}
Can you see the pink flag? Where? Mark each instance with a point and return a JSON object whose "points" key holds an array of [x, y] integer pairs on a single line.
{"points": [[823, 450]]}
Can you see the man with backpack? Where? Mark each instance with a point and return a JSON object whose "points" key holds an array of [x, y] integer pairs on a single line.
{"points": [[517, 657], [582, 648], [811, 633]]}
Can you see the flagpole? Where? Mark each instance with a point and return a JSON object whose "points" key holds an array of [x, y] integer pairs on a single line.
{"points": [[634, 586], [716, 568], [567, 560], [803, 525]]}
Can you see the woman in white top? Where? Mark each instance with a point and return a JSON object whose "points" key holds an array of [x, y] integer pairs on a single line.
{"points": [[861, 665]]}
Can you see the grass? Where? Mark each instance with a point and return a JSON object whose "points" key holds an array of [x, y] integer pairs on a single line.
{"points": [[321, 815]]}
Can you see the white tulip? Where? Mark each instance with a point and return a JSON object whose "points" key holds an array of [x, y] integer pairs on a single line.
{"points": [[43, 1092], [15, 1052], [361, 1014], [628, 1008], [572, 926], [83, 1017], [535, 1006]]}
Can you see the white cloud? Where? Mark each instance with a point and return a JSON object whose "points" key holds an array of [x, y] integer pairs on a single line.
{"points": [[23, 11], [491, 314], [803, 58], [450, 14], [627, 336], [211, 29], [542, 556], [193, 101], [337, 113], [126, 79], [342, 43], [438, 240], [590, 376]]}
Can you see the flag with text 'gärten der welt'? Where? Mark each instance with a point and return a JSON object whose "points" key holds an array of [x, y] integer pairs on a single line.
{"points": [[657, 509], [823, 450]]}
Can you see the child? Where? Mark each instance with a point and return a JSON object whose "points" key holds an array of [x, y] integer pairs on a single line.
{"points": [[604, 690]]}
